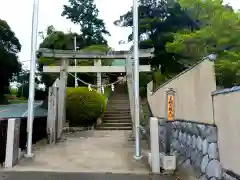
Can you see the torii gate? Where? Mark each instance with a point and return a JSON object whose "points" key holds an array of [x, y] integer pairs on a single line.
{"points": [[63, 69]]}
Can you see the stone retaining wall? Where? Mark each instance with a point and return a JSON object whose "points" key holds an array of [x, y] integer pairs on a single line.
{"points": [[196, 146], [230, 175]]}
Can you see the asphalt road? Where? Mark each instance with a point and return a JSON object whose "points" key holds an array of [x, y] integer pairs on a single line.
{"points": [[77, 176], [20, 110]]}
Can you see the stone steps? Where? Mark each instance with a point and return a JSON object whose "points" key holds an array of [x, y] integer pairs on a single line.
{"points": [[120, 121], [111, 102], [116, 112], [123, 110], [117, 115], [118, 104], [116, 124], [113, 128]]}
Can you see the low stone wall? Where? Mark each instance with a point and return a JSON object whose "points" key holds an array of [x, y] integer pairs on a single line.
{"points": [[196, 147]]}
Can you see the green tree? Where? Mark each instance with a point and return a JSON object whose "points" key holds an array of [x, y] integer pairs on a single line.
{"points": [[97, 48], [9, 65], [228, 70], [50, 29], [219, 28], [53, 39], [218, 33], [60, 40], [85, 14], [23, 80], [157, 21]]}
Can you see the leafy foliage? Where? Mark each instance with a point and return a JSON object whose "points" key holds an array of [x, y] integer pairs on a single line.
{"points": [[85, 14], [9, 65], [218, 33], [219, 29], [64, 41], [184, 31], [56, 40], [83, 107], [228, 70], [60, 40], [157, 21]]}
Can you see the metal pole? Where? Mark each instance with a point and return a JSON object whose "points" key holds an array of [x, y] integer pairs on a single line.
{"points": [[32, 77], [136, 79], [75, 61]]}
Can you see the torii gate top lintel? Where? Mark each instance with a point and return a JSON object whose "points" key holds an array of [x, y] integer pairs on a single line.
{"points": [[70, 54]]}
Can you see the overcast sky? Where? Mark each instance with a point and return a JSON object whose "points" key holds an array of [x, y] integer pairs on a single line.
{"points": [[18, 14]]}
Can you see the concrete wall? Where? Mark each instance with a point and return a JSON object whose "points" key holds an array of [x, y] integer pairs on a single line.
{"points": [[206, 129], [193, 99], [227, 118]]}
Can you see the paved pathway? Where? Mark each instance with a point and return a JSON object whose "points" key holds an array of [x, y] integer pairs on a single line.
{"points": [[20, 110], [80, 176], [87, 151]]}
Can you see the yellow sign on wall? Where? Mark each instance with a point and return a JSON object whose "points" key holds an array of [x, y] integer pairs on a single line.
{"points": [[170, 107]]}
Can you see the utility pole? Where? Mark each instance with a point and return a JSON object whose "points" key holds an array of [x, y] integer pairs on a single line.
{"points": [[136, 80], [32, 78], [75, 60]]}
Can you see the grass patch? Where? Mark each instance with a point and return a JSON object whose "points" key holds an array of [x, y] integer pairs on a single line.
{"points": [[18, 101]]}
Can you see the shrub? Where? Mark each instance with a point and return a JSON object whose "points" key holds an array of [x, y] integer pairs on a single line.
{"points": [[84, 107]]}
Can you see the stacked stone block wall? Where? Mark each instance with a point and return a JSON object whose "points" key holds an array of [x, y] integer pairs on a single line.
{"points": [[196, 146]]}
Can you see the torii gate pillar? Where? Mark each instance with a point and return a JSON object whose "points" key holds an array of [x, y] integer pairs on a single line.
{"points": [[98, 62], [62, 97]]}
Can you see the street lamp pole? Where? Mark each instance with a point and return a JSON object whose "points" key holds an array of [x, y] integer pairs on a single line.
{"points": [[32, 77], [136, 80]]}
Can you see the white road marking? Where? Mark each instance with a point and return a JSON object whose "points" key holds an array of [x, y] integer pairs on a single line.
{"points": [[4, 110], [25, 113]]}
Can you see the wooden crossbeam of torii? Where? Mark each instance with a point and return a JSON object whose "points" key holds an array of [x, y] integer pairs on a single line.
{"points": [[92, 69], [69, 54]]}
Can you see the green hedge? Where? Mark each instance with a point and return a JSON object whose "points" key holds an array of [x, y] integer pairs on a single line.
{"points": [[84, 107]]}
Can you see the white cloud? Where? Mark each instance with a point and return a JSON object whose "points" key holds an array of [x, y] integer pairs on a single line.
{"points": [[18, 13]]}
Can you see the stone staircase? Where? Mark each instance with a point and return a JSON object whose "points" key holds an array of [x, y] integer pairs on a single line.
{"points": [[117, 115]]}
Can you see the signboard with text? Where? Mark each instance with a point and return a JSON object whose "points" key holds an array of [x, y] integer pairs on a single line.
{"points": [[170, 107]]}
